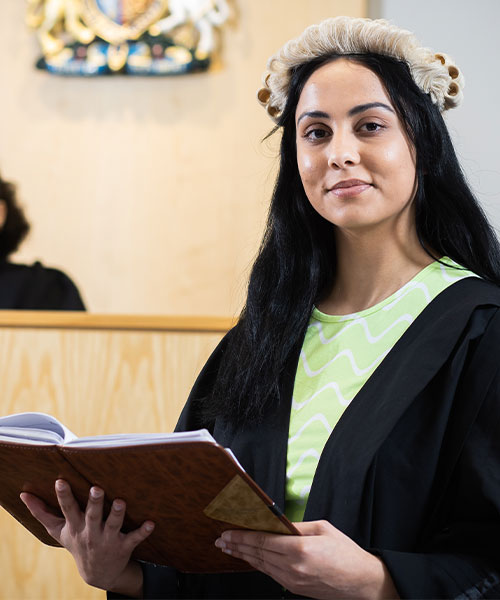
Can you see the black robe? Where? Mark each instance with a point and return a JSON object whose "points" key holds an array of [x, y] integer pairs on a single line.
{"points": [[35, 287], [411, 472]]}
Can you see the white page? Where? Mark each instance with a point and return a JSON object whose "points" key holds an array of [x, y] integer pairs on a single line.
{"points": [[134, 439], [34, 427], [40, 429]]}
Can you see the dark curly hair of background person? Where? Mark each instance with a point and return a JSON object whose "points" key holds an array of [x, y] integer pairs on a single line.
{"points": [[16, 226]]}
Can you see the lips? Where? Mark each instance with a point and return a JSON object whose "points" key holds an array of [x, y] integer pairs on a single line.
{"points": [[349, 188], [348, 183]]}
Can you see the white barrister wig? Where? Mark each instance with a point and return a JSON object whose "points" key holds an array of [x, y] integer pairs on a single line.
{"points": [[435, 74]]}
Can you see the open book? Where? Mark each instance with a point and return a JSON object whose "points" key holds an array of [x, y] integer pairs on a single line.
{"points": [[192, 488]]}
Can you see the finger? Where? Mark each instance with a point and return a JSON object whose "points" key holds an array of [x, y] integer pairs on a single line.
{"points": [[276, 566], [93, 512], [69, 506], [242, 551], [271, 542], [52, 523], [316, 528], [273, 565], [114, 522], [134, 538], [255, 555]]}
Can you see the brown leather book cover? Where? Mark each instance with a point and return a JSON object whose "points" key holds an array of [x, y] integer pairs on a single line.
{"points": [[193, 491]]}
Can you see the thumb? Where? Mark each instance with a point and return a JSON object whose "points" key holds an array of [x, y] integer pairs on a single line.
{"points": [[42, 513], [315, 528]]}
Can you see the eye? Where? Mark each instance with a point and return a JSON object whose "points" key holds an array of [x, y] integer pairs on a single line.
{"points": [[371, 127], [315, 134]]}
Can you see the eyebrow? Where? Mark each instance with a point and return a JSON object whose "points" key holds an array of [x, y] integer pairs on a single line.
{"points": [[355, 110], [315, 114], [362, 107]]}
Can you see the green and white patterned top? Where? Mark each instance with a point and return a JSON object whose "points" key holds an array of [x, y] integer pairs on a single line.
{"points": [[338, 356]]}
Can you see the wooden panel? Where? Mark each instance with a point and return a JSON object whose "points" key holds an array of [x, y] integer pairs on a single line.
{"points": [[99, 380], [150, 192], [95, 382], [82, 320]]}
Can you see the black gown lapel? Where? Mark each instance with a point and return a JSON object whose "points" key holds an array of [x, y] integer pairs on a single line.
{"points": [[403, 374]]}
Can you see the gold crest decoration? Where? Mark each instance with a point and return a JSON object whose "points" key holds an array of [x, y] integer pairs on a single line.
{"points": [[136, 37]]}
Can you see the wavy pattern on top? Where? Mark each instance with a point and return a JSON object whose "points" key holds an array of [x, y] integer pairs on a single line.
{"points": [[407, 289], [349, 355], [447, 277], [311, 452], [333, 385], [305, 491], [319, 417], [372, 339]]}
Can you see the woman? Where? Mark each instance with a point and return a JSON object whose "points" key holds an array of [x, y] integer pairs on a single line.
{"points": [[28, 287], [372, 311]]}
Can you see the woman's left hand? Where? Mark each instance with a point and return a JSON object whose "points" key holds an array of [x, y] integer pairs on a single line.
{"points": [[320, 563]]}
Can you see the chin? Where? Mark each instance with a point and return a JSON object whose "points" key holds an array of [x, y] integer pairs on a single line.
{"points": [[350, 221], [356, 223]]}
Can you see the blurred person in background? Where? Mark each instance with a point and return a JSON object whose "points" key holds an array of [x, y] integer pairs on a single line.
{"points": [[28, 287]]}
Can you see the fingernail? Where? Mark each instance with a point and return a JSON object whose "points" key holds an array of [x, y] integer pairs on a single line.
{"points": [[95, 492], [226, 536], [219, 543], [149, 526], [60, 485], [118, 506]]}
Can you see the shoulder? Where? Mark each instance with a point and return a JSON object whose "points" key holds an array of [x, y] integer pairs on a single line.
{"points": [[211, 368], [49, 273], [37, 287], [456, 304], [462, 321], [471, 304], [474, 290], [37, 269]]}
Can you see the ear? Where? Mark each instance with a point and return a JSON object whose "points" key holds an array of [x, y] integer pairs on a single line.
{"points": [[3, 213]]}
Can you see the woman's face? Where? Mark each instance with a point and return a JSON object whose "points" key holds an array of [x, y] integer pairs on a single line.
{"points": [[355, 161]]}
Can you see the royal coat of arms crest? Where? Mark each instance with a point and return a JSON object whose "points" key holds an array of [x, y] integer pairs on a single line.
{"points": [[136, 37]]}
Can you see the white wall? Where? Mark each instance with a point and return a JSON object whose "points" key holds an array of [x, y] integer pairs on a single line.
{"points": [[469, 32]]}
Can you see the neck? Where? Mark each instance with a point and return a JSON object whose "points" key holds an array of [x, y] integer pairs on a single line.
{"points": [[371, 266]]}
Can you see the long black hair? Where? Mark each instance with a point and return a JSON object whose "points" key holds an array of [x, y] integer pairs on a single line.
{"points": [[16, 226], [296, 264]]}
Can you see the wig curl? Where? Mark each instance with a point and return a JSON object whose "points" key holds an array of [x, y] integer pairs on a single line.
{"points": [[434, 73]]}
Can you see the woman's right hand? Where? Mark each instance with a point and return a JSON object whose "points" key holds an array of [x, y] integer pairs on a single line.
{"points": [[101, 551]]}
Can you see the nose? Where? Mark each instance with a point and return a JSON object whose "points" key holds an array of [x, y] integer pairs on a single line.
{"points": [[342, 150]]}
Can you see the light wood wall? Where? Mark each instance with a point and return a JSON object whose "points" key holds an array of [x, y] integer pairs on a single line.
{"points": [[97, 375], [150, 192]]}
